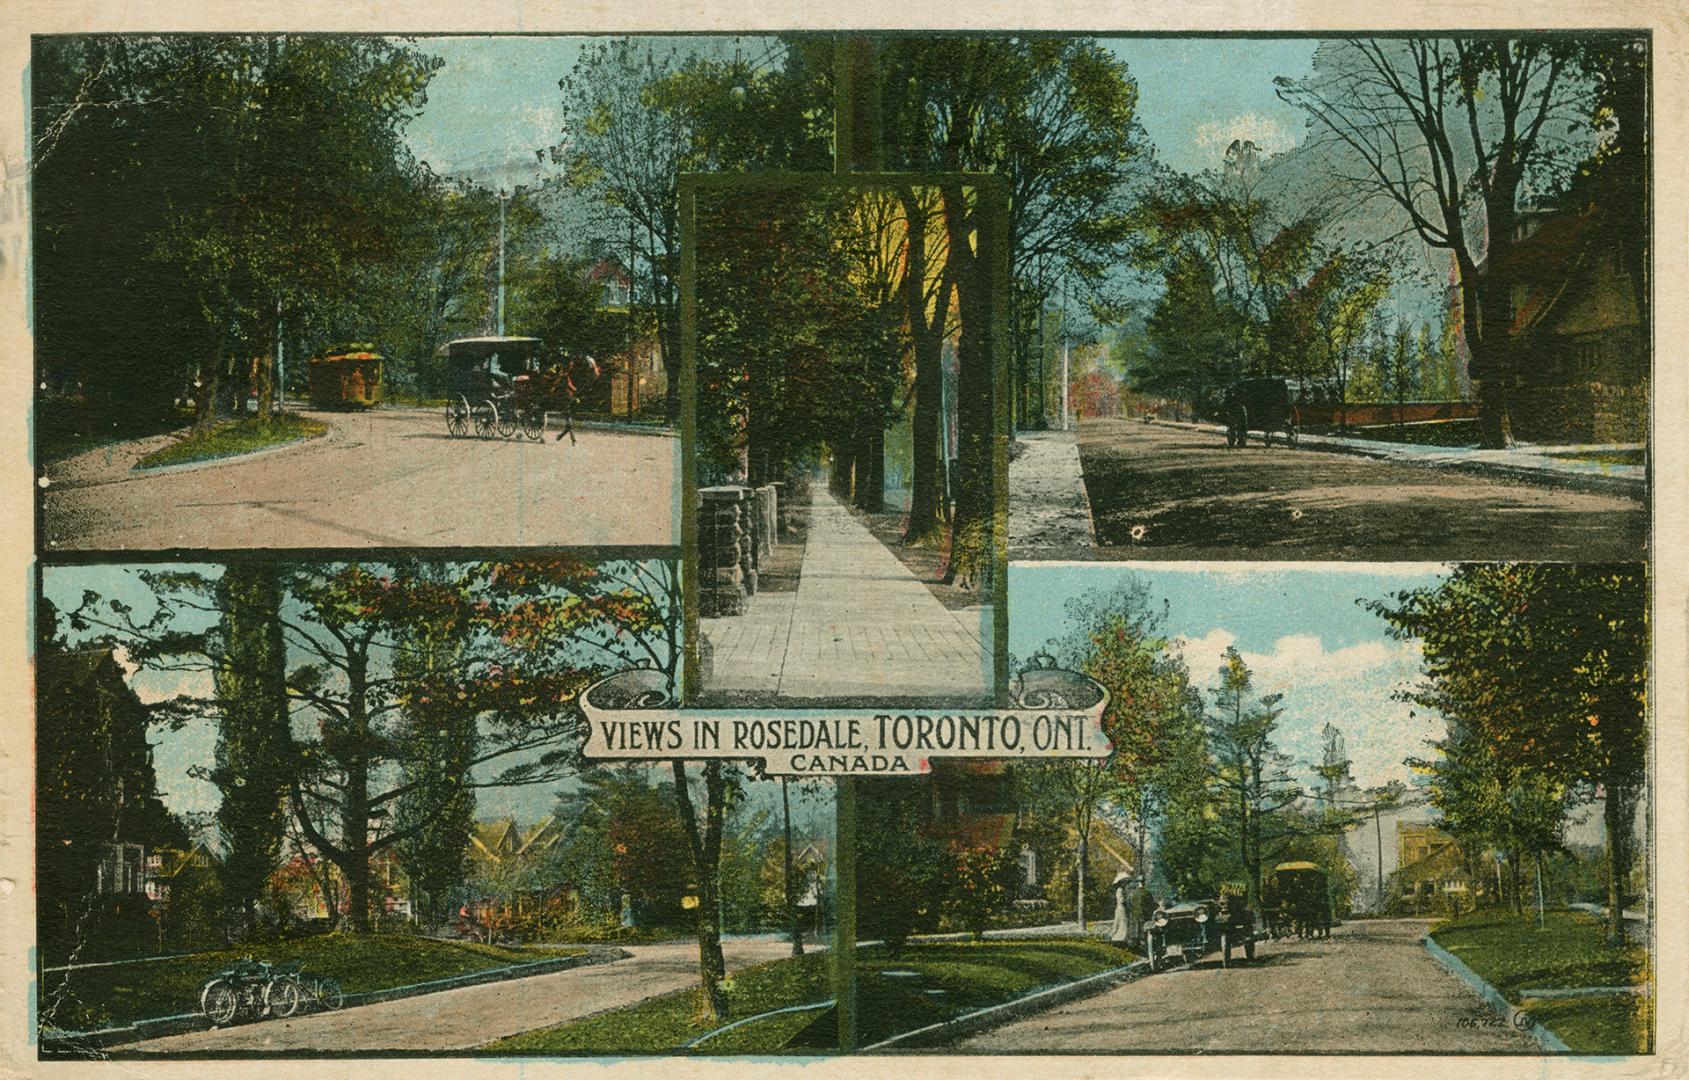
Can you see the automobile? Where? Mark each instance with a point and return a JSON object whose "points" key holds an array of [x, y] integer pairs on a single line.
{"points": [[1262, 405], [1186, 932]]}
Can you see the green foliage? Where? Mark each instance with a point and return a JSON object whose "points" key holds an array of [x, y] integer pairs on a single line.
{"points": [[124, 993], [252, 765], [624, 840], [221, 183], [901, 874], [981, 885], [1541, 672], [972, 976], [233, 438]]}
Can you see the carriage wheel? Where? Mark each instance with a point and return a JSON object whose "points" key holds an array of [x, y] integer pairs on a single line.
{"points": [[1225, 949], [507, 420], [1290, 436], [1237, 428], [485, 415], [457, 417], [533, 423]]}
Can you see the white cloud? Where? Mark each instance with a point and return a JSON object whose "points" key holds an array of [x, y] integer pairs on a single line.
{"points": [[1264, 131], [1352, 688]]}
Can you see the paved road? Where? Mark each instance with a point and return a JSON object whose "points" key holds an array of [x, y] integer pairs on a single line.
{"points": [[474, 1015], [389, 477], [1370, 988], [860, 625], [1192, 498]]}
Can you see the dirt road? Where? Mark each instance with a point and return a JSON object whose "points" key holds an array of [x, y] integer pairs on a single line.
{"points": [[1163, 492], [473, 1015], [385, 478], [1371, 988]]}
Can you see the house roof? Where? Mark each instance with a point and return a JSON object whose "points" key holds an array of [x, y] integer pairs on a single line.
{"points": [[1547, 260]]}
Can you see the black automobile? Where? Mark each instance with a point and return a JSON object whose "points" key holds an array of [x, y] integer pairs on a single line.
{"points": [[1187, 932], [1262, 405]]}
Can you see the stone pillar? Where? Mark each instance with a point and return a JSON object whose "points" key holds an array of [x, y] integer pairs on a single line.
{"points": [[781, 525], [765, 508], [723, 552]]}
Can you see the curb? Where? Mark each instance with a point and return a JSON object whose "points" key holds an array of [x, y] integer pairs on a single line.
{"points": [[935, 1035], [1594, 480], [229, 459], [68, 1043], [1518, 1017]]}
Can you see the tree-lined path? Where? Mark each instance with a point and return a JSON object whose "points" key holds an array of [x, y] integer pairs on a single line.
{"points": [[391, 477], [1370, 988], [859, 625]]}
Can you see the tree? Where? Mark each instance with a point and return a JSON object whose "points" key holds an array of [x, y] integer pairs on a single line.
{"points": [[1253, 786], [1436, 126], [299, 178], [435, 810], [1117, 639], [533, 634], [1546, 666], [251, 767]]}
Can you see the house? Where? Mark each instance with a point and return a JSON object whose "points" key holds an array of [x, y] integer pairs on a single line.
{"points": [[634, 378], [166, 866], [1432, 874], [502, 854], [1575, 329], [502, 844]]}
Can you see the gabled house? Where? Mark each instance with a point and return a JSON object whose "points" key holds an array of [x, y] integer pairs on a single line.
{"points": [[1432, 874], [1575, 329]]}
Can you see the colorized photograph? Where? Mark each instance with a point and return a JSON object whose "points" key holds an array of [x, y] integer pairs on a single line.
{"points": [[1353, 298], [304, 291], [1340, 793], [849, 540]]}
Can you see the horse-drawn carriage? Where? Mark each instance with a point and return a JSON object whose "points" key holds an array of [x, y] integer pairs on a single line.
{"points": [[1297, 897], [498, 385], [1262, 405]]}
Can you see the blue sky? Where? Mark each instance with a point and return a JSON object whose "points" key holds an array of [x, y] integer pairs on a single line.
{"points": [[1300, 630], [1195, 95], [496, 99]]}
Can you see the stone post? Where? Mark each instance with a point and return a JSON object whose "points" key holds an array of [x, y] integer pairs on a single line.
{"points": [[723, 552]]}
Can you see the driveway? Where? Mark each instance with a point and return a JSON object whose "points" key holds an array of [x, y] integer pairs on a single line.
{"points": [[384, 478], [472, 1016]]}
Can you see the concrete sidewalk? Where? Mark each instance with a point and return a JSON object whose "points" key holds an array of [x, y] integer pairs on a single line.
{"points": [[1527, 462], [859, 627], [1049, 509]]}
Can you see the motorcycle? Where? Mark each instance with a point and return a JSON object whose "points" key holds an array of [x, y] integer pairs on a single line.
{"points": [[257, 989]]}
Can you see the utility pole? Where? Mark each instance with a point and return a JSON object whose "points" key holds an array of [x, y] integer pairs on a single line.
{"points": [[1540, 922], [1378, 835], [281, 367], [633, 332], [856, 148], [500, 326]]}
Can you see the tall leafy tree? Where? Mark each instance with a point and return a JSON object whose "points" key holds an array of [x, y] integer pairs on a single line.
{"points": [[1254, 790], [1438, 126], [1546, 666], [252, 764]]}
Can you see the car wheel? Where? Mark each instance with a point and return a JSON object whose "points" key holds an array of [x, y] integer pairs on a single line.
{"points": [[1249, 949]]}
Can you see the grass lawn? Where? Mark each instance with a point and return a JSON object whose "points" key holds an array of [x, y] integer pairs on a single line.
{"points": [[1636, 456], [1510, 953], [98, 997], [234, 437], [948, 979]]}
